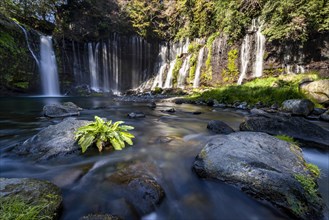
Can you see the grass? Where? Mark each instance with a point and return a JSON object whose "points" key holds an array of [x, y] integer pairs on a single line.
{"points": [[268, 90], [18, 209]]}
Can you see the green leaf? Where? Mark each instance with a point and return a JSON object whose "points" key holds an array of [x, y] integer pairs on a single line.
{"points": [[86, 141], [99, 145], [115, 144]]}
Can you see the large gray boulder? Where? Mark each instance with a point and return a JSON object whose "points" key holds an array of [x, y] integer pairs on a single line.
{"points": [[66, 109], [52, 142], [299, 128], [28, 197], [298, 106], [265, 168], [317, 90]]}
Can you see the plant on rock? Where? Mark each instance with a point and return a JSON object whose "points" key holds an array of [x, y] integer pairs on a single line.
{"points": [[104, 134]]}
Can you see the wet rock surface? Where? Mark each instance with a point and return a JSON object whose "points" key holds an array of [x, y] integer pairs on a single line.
{"points": [[298, 106], [66, 109], [219, 127], [318, 90], [52, 142], [306, 132], [39, 195], [136, 115], [262, 166]]}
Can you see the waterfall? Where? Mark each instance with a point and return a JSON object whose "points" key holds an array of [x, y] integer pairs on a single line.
{"points": [[183, 72], [28, 43], [106, 78], [245, 56], [93, 66], [115, 65], [196, 81], [260, 49], [168, 83], [162, 57], [48, 67]]}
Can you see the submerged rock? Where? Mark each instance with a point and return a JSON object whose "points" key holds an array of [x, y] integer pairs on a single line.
{"points": [[219, 127], [136, 115], [136, 183], [265, 168], [66, 109], [171, 110], [100, 217], [38, 196], [52, 142], [325, 116], [298, 106], [297, 127]]}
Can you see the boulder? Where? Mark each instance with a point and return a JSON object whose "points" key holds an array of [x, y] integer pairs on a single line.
{"points": [[100, 217], [219, 127], [66, 109], [317, 90], [29, 198], [54, 141], [137, 185], [299, 128], [298, 106], [265, 168]]}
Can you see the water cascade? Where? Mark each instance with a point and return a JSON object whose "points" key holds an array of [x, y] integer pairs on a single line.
{"points": [[260, 50], [93, 66], [245, 56], [183, 71], [196, 81], [48, 67], [28, 42], [168, 83]]}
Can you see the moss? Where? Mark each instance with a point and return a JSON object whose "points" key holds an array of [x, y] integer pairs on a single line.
{"points": [[309, 185], [297, 207], [175, 72], [314, 170], [287, 139], [157, 90], [232, 71]]}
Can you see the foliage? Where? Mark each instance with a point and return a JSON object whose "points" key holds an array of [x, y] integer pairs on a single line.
{"points": [[232, 70], [17, 209], [104, 134], [175, 72], [260, 89]]}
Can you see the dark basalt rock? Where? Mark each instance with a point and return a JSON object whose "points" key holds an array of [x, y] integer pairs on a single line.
{"points": [[263, 167], [171, 110], [306, 132], [219, 127], [137, 185], [65, 109], [54, 141], [100, 217], [36, 194]]}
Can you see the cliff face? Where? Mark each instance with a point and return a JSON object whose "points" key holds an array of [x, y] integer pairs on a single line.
{"points": [[18, 69]]}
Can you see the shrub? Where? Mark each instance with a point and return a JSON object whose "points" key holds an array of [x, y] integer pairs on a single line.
{"points": [[104, 134]]}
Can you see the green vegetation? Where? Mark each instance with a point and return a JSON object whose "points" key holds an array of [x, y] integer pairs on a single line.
{"points": [[104, 134], [232, 71], [287, 139], [14, 208], [309, 185], [175, 72], [314, 169], [269, 90]]}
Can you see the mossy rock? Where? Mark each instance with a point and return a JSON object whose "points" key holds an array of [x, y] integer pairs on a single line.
{"points": [[25, 198]]}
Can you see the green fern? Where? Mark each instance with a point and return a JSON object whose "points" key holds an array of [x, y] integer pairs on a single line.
{"points": [[104, 134]]}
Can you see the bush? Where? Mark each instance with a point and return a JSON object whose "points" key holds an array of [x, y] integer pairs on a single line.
{"points": [[104, 134]]}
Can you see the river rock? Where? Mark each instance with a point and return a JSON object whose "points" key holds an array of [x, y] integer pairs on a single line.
{"points": [[100, 217], [65, 109], [219, 127], [325, 116], [54, 141], [298, 106], [317, 90], [264, 167], [299, 128], [136, 183], [40, 195], [136, 115]]}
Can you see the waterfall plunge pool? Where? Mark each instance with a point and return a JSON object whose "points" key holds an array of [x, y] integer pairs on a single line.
{"points": [[187, 196]]}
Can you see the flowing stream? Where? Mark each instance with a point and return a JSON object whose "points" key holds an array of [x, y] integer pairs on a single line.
{"points": [[187, 196]]}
